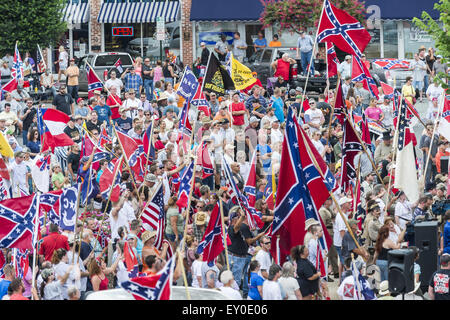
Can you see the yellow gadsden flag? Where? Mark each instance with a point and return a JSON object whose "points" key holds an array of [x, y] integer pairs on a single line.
{"points": [[5, 148], [241, 75]]}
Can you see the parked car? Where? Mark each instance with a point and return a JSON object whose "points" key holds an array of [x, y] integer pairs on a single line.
{"points": [[395, 78], [261, 62], [151, 46], [101, 62], [178, 293]]}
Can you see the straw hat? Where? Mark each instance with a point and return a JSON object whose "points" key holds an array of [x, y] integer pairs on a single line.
{"points": [[311, 222], [148, 235], [200, 218]]}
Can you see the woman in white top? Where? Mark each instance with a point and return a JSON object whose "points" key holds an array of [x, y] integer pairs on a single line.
{"points": [[117, 218], [196, 271], [318, 144], [403, 211], [60, 261], [244, 166], [121, 271], [288, 282], [394, 230], [52, 289], [170, 91]]}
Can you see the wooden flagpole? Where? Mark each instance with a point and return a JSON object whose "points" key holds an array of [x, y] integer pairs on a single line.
{"points": [[223, 233], [332, 110], [36, 230], [188, 295], [344, 218], [150, 141], [364, 148], [77, 211], [311, 61]]}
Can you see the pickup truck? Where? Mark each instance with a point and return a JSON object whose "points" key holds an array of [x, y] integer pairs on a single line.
{"points": [[101, 62], [261, 62]]}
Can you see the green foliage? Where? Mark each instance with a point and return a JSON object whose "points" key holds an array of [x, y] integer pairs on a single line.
{"points": [[31, 22], [439, 31], [297, 15]]}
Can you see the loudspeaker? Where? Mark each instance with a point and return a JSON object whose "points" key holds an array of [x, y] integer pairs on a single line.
{"points": [[401, 270], [426, 240]]}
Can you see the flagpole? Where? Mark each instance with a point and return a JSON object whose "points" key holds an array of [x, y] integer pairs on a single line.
{"points": [[109, 200], [76, 215], [206, 70], [332, 110], [441, 107], [311, 60], [274, 186], [107, 90], [344, 218], [188, 208], [223, 233], [107, 148], [364, 148], [358, 184], [188, 295], [357, 285], [126, 163], [150, 142], [36, 227]]}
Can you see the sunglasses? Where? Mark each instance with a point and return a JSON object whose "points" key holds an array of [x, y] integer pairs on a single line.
{"points": [[266, 242]]}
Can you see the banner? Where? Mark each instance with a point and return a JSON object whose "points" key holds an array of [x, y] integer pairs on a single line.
{"points": [[241, 75], [217, 78]]}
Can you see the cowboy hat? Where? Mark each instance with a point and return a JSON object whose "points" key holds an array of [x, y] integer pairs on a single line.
{"points": [[311, 222], [206, 120], [200, 218], [344, 200], [147, 235]]}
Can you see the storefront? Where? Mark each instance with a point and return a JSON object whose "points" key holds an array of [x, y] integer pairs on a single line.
{"points": [[130, 26], [389, 23], [77, 15]]}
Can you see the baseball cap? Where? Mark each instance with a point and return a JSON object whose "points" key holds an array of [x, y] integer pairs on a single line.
{"points": [[299, 89], [348, 57], [445, 258], [254, 119], [292, 92], [344, 200], [202, 44], [79, 99]]}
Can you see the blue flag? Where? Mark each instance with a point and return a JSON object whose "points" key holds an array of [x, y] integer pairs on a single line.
{"points": [[68, 207], [188, 84]]}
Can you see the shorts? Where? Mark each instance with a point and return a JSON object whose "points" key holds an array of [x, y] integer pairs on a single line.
{"points": [[338, 249], [418, 85], [171, 237]]}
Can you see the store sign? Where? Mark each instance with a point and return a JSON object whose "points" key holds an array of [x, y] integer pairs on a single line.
{"points": [[160, 29], [418, 35], [122, 31]]}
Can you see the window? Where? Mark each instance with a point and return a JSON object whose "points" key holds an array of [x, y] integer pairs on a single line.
{"points": [[390, 39], [414, 38], [373, 50], [110, 60], [267, 56]]}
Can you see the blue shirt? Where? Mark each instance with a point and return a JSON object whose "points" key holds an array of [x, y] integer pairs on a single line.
{"points": [[133, 82], [305, 44], [255, 281], [260, 42], [447, 238], [263, 149], [278, 106], [104, 112], [35, 147], [4, 284]]}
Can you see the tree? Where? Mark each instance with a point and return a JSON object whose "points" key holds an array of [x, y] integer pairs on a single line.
{"points": [[297, 15], [440, 33], [31, 22]]}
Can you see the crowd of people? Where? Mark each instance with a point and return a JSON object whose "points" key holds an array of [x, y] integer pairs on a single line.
{"points": [[72, 264]]}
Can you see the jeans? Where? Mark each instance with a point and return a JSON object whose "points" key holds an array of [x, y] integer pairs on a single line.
{"points": [[306, 59], [73, 91], [245, 284], [426, 81], [24, 137], [237, 265], [383, 265], [148, 87]]}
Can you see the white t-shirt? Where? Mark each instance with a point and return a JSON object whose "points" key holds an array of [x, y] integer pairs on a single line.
{"points": [[60, 271], [388, 119], [276, 136], [229, 135], [128, 211], [117, 83], [115, 224], [319, 146], [244, 170], [271, 290], [347, 289], [313, 116], [339, 225], [231, 293], [264, 260], [196, 269], [132, 104], [403, 210], [393, 236], [217, 139], [18, 177], [289, 285], [169, 124]]}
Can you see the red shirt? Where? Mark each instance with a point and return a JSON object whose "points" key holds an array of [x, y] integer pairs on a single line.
{"points": [[238, 120], [112, 101], [17, 296], [283, 69], [51, 243]]}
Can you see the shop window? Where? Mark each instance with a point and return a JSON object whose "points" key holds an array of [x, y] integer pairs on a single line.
{"points": [[372, 50], [414, 39], [390, 39]]}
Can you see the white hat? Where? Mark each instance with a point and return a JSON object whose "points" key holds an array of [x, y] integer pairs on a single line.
{"points": [[344, 200], [311, 222], [384, 288], [254, 119], [348, 57], [202, 44]]}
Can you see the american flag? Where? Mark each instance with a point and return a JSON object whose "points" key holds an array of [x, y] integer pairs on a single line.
{"points": [[154, 217], [338, 27], [157, 287], [40, 63]]}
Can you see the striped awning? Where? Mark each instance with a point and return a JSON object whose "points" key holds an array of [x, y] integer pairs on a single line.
{"points": [[76, 12], [138, 12]]}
